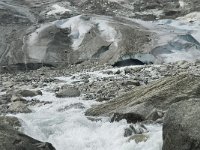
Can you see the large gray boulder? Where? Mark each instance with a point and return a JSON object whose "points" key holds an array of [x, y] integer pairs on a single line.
{"points": [[150, 101], [181, 126], [29, 93], [67, 91], [11, 139], [18, 107]]}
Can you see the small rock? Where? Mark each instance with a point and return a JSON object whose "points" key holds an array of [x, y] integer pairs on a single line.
{"points": [[94, 118], [128, 71], [128, 132], [118, 72], [135, 129], [138, 138], [130, 117]]}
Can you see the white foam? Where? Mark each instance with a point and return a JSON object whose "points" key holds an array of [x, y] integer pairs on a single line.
{"points": [[58, 10]]}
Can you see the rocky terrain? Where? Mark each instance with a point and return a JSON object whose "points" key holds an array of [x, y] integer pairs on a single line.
{"points": [[82, 74]]}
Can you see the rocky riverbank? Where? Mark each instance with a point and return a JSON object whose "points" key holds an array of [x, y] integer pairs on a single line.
{"points": [[136, 93]]}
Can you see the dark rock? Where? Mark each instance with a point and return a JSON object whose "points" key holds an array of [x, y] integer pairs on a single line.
{"points": [[130, 117], [181, 126], [128, 132], [131, 82], [128, 62], [29, 93], [11, 139]]}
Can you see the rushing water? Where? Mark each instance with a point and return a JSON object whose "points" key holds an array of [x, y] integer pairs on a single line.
{"points": [[64, 124]]}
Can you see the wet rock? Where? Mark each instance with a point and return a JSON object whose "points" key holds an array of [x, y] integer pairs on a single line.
{"points": [[128, 132], [138, 138], [67, 91], [181, 126], [96, 119], [130, 117], [10, 121], [29, 93], [135, 129], [118, 72], [18, 107], [11, 139]]}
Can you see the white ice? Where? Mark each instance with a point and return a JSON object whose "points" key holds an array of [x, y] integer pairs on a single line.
{"points": [[79, 27]]}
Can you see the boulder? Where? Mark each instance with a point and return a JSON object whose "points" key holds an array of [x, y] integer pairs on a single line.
{"points": [[181, 126], [29, 93], [67, 91], [18, 107], [10, 139], [158, 95]]}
